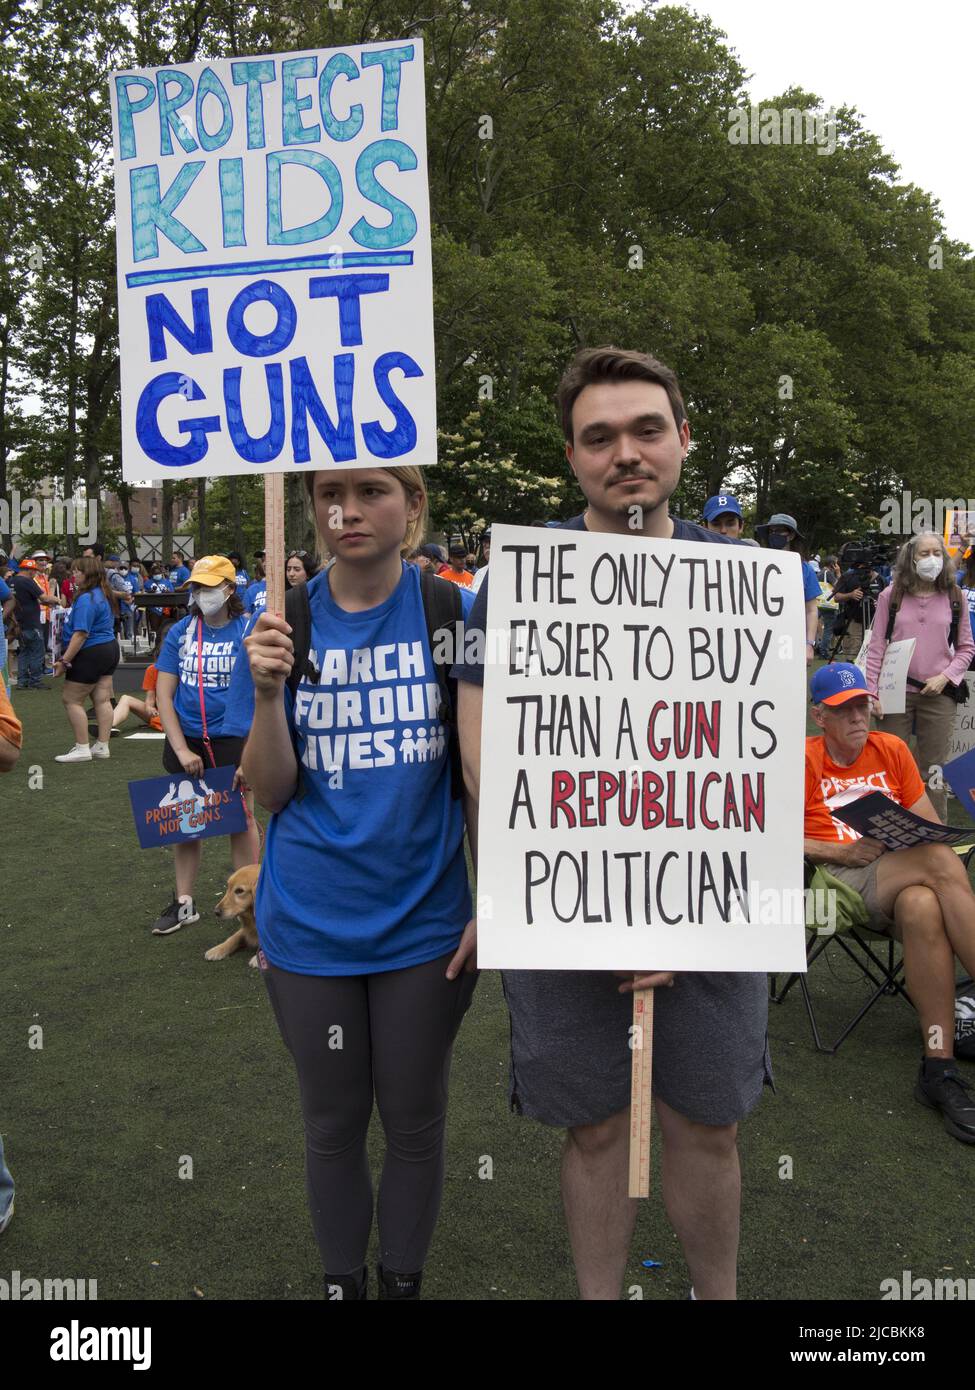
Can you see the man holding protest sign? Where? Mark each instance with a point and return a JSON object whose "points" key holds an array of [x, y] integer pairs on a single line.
{"points": [[627, 434]]}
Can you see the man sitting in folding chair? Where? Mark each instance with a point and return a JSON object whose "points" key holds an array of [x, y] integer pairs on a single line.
{"points": [[920, 896]]}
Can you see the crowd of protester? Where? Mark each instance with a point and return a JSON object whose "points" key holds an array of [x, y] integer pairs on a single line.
{"points": [[400, 975]]}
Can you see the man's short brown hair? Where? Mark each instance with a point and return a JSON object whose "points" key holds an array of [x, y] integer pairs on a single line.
{"points": [[592, 365]]}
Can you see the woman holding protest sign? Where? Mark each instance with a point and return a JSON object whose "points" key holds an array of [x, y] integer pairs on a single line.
{"points": [[924, 602], [89, 660], [194, 669], [363, 902]]}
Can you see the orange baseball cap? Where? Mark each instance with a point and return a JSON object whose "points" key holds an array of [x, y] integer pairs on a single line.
{"points": [[212, 570]]}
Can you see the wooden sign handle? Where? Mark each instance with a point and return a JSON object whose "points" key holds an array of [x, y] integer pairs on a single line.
{"points": [[274, 561], [641, 1044]]}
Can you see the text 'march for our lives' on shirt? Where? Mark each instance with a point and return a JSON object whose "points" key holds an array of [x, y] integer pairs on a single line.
{"points": [[365, 869]]}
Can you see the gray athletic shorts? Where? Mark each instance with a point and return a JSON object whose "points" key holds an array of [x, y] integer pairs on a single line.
{"points": [[571, 1060]]}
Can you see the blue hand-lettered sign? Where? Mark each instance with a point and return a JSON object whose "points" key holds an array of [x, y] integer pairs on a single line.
{"points": [[275, 287], [172, 810]]}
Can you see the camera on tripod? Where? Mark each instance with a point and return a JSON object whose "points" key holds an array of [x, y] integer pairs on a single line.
{"points": [[862, 559]]}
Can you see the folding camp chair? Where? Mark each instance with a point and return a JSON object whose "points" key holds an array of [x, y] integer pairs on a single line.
{"points": [[885, 971]]}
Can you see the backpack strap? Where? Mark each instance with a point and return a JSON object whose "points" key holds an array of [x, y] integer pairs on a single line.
{"points": [[895, 603], [297, 613], [955, 616], [443, 609]]}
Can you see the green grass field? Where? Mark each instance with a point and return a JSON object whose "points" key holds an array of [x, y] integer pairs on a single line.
{"points": [[150, 1053]]}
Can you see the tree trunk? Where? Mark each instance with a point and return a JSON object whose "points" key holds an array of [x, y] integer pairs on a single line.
{"points": [[201, 515], [296, 526], [167, 521], [6, 539], [238, 525], [70, 443], [125, 498]]}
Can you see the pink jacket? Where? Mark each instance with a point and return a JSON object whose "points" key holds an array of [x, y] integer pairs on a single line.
{"points": [[928, 622]]}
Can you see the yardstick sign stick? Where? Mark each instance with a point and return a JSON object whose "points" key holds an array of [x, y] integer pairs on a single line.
{"points": [[641, 1043], [274, 541]]}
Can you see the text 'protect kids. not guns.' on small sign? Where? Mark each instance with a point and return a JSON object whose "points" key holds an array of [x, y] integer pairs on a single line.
{"points": [[642, 775], [275, 287], [175, 810]]}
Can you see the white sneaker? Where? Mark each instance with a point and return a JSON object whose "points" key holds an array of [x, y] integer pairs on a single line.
{"points": [[80, 753], [7, 1217], [100, 750]]}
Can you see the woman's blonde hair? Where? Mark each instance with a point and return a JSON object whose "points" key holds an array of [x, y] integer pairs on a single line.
{"points": [[413, 484], [905, 578]]}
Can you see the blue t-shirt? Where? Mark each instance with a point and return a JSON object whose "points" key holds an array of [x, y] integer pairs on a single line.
{"points": [[92, 613], [221, 646], [242, 579], [366, 871], [178, 575], [255, 599], [5, 591], [810, 584]]}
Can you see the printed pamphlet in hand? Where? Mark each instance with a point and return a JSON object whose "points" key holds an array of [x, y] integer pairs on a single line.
{"points": [[893, 826]]}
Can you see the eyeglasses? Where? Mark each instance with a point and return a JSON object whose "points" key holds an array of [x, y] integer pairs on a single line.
{"points": [[298, 555]]}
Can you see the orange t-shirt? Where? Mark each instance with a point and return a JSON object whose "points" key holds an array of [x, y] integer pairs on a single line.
{"points": [[149, 683], [10, 727], [464, 578], [885, 765]]}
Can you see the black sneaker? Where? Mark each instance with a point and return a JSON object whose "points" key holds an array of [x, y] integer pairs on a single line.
{"points": [[178, 914], [942, 1087], [342, 1288], [403, 1287]]}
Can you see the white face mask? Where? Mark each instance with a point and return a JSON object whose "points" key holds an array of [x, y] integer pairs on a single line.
{"points": [[210, 602], [930, 566]]}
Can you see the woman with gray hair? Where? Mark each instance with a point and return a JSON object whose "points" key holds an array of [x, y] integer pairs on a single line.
{"points": [[924, 602]]}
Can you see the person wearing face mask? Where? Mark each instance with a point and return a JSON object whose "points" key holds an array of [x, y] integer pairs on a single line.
{"points": [[780, 532], [924, 602], [194, 668]]}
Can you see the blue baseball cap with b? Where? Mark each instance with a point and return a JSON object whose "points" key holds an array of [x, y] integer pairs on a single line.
{"points": [[717, 506], [835, 684]]}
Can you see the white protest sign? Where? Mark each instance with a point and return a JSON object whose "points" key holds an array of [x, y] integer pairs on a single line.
{"points": [[962, 737], [892, 682], [861, 656], [274, 272], [642, 772]]}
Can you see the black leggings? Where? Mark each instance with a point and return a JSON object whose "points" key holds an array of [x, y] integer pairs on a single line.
{"points": [[397, 1032]]}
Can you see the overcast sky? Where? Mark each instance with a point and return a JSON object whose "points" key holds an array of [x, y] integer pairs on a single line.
{"points": [[906, 67]]}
